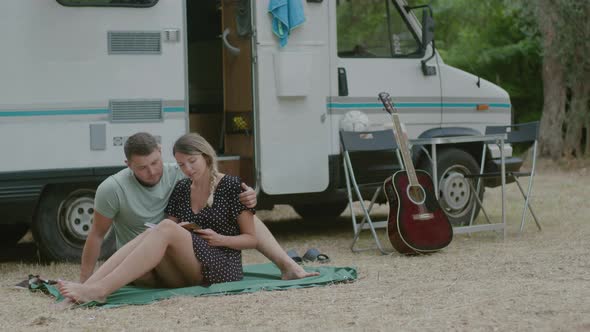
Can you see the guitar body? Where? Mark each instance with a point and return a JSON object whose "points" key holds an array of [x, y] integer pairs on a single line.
{"points": [[416, 223], [408, 233]]}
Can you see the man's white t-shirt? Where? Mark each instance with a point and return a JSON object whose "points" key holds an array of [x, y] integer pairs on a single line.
{"points": [[130, 204]]}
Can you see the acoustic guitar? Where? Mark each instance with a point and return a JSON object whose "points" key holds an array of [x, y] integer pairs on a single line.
{"points": [[416, 222]]}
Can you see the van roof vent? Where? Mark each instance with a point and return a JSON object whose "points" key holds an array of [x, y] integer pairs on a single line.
{"points": [[135, 42], [136, 110]]}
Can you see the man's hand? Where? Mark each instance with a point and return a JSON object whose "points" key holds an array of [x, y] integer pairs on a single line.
{"points": [[248, 197]]}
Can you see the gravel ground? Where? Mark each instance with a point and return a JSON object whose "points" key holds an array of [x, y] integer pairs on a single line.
{"points": [[530, 281]]}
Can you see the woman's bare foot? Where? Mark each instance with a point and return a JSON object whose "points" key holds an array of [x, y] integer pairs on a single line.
{"points": [[80, 293], [60, 285], [63, 305], [295, 271]]}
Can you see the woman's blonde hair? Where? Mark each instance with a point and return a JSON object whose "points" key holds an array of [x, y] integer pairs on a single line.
{"points": [[194, 144]]}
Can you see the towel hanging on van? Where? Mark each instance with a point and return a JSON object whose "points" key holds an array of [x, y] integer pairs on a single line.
{"points": [[286, 16]]}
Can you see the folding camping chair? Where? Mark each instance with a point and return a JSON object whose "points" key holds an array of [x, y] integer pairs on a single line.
{"points": [[516, 134], [358, 142]]}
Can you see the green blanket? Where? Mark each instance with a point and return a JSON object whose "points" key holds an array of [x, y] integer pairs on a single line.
{"points": [[256, 277]]}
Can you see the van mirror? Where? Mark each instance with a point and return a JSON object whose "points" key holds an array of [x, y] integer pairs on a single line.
{"points": [[427, 29], [427, 37]]}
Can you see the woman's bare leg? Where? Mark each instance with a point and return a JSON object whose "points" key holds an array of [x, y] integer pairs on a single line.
{"points": [[269, 247], [169, 274], [166, 238], [116, 259], [165, 274]]}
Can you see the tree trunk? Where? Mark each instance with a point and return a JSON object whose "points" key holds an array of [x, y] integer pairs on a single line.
{"points": [[578, 104], [576, 119], [554, 91]]}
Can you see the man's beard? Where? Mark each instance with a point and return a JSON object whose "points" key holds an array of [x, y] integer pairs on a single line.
{"points": [[146, 184]]}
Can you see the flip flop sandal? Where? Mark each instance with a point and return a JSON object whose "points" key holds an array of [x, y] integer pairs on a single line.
{"points": [[34, 282], [314, 255], [22, 285], [295, 256]]}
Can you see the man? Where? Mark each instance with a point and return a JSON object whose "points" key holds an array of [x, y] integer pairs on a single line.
{"points": [[137, 195]]}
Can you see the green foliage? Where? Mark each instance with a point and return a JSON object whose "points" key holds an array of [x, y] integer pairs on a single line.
{"points": [[573, 34], [496, 40]]}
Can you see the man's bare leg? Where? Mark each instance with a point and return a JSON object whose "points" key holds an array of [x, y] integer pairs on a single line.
{"points": [[269, 247]]}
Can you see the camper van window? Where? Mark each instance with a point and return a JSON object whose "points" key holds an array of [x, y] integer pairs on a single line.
{"points": [[374, 29], [108, 3]]}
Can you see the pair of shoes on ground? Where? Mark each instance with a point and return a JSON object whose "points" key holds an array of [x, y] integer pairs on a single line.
{"points": [[311, 255], [34, 282]]}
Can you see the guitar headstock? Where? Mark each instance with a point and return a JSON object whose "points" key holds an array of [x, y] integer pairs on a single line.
{"points": [[385, 99], [384, 96]]}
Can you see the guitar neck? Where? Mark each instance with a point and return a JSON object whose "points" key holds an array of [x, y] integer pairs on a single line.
{"points": [[400, 138]]}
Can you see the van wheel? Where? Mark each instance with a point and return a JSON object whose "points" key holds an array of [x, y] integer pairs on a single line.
{"points": [[11, 234], [333, 209], [63, 220], [455, 195]]}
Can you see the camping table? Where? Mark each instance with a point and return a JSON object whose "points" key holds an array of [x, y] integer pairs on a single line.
{"points": [[496, 138]]}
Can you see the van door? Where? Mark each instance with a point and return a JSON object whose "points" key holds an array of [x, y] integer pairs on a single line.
{"points": [[378, 49], [292, 86]]}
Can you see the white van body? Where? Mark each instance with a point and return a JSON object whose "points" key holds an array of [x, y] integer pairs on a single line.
{"points": [[77, 80]]}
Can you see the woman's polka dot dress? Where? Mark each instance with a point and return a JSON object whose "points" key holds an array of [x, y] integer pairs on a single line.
{"points": [[220, 264]]}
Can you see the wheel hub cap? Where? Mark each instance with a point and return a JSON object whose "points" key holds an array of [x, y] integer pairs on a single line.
{"points": [[455, 190], [78, 217]]}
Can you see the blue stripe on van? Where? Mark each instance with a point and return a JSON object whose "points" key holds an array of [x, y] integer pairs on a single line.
{"points": [[174, 109], [96, 111], [414, 105], [53, 112]]}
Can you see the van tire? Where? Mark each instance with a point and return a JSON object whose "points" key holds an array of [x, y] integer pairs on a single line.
{"points": [[11, 234], [62, 221], [310, 211], [451, 163]]}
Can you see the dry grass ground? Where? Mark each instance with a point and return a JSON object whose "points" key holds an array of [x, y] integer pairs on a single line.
{"points": [[537, 281]]}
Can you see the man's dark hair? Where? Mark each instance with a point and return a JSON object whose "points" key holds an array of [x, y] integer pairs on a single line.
{"points": [[140, 144]]}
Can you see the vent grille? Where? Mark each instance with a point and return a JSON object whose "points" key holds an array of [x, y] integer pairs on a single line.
{"points": [[20, 192], [142, 42], [136, 110]]}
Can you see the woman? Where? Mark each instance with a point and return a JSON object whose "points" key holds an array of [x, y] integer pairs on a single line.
{"points": [[169, 255]]}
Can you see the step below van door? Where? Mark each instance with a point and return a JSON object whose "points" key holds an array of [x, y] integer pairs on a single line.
{"points": [[292, 87], [378, 49]]}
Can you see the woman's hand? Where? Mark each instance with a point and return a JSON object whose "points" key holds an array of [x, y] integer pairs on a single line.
{"points": [[212, 238]]}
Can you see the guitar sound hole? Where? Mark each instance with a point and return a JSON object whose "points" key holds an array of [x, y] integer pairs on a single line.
{"points": [[416, 194]]}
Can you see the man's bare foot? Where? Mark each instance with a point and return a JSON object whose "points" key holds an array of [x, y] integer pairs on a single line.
{"points": [[295, 271], [80, 293]]}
